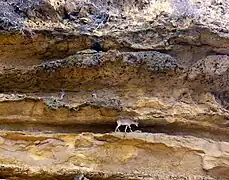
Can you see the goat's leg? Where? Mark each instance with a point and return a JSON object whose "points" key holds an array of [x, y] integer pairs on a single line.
{"points": [[117, 128], [130, 128], [126, 128]]}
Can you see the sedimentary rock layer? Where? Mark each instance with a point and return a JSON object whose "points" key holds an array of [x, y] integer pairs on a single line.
{"points": [[164, 63]]}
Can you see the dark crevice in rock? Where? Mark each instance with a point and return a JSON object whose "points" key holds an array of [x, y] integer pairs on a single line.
{"points": [[63, 40], [221, 134]]}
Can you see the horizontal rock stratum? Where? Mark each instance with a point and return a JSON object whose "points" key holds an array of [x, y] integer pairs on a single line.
{"points": [[112, 155], [165, 63]]}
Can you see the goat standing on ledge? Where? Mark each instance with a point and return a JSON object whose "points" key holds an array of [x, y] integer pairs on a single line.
{"points": [[62, 94], [125, 122]]}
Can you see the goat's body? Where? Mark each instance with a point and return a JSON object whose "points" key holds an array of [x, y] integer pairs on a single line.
{"points": [[125, 122]]}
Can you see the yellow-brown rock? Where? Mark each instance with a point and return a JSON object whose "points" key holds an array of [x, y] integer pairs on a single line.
{"points": [[70, 69]]}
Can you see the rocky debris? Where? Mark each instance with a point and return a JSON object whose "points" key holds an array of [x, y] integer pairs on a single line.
{"points": [[53, 103], [11, 97], [223, 98], [210, 66], [81, 61], [209, 71], [153, 61], [9, 20], [107, 103], [183, 9]]}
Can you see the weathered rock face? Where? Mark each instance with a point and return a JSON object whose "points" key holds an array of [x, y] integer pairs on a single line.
{"points": [[165, 63], [112, 155]]}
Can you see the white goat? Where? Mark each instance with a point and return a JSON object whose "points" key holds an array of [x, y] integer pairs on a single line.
{"points": [[62, 94], [94, 95], [125, 122]]}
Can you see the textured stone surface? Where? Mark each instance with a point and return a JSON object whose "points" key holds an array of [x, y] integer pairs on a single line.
{"points": [[113, 154], [164, 62]]}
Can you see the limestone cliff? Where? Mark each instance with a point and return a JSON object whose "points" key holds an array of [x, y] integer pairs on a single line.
{"points": [[164, 62]]}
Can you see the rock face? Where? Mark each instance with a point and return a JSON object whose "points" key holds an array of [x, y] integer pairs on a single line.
{"points": [[112, 156], [164, 63]]}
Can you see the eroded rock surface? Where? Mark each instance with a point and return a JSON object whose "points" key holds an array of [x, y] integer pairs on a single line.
{"points": [[112, 155], [165, 63]]}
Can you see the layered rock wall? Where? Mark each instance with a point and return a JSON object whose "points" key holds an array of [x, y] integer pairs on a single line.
{"points": [[164, 63]]}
